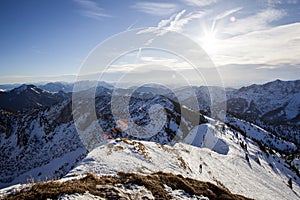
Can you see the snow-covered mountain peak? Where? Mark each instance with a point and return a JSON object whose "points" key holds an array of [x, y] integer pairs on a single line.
{"points": [[20, 89]]}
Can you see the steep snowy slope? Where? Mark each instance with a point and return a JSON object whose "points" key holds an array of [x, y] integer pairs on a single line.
{"points": [[258, 134], [261, 177], [244, 168], [268, 97], [274, 106], [40, 144], [36, 143]]}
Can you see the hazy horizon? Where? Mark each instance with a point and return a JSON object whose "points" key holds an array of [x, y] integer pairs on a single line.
{"points": [[131, 84], [247, 42]]}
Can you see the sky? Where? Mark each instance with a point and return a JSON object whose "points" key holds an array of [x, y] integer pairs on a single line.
{"points": [[247, 41]]}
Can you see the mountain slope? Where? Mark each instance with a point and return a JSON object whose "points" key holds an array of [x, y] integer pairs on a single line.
{"points": [[261, 177], [275, 106], [137, 162], [268, 97], [35, 140], [39, 140], [29, 97], [57, 86], [238, 154]]}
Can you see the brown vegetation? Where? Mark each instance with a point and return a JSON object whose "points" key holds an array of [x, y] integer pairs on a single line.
{"points": [[138, 147], [104, 187], [182, 162]]}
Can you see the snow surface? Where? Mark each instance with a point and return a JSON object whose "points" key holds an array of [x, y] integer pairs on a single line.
{"points": [[34, 90], [296, 163], [42, 160], [251, 179], [255, 132], [206, 136], [20, 89], [263, 177], [85, 196], [47, 172], [271, 96], [136, 192], [293, 107]]}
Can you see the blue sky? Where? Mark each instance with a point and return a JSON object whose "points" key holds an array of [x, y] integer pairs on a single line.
{"points": [[249, 41]]}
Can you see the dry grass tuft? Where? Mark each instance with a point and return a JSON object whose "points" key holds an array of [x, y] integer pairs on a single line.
{"points": [[118, 148], [182, 162], [104, 187], [138, 146]]}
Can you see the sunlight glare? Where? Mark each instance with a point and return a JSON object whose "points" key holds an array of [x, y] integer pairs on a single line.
{"points": [[208, 42]]}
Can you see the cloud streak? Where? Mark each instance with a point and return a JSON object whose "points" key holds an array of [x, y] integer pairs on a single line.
{"points": [[227, 13], [274, 2], [154, 8], [259, 21], [251, 44], [199, 3], [91, 9], [274, 46], [174, 23], [177, 21]]}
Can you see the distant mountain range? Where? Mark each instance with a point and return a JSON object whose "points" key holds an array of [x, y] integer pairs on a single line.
{"points": [[274, 102], [56, 86], [29, 97]]}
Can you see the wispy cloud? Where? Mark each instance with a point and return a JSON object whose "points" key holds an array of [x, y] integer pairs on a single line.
{"points": [[91, 9], [253, 44], [227, 13], [132, 25], [157, 9], [199, 2], [259, 21], [274, 2], [181, 20], [275, 46], [176, 22]]}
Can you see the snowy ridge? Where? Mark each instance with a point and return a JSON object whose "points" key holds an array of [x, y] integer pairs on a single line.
{"points": [[28, 97], [274, 106], [257, 133], [20, 89], [270, 96], [260, 176], [233, 171]]}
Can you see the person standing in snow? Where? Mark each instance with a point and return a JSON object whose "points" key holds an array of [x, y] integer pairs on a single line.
{"points": [[290, 182], [200, 168]]}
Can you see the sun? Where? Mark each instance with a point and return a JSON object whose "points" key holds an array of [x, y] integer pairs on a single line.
{"points": [[209, 42], [208, 38]]}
